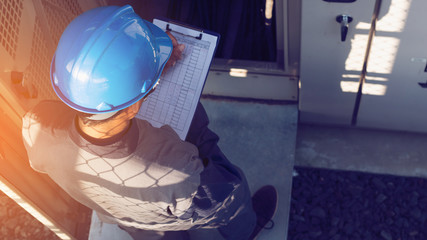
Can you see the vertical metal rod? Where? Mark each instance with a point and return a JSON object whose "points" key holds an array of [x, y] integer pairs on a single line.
{"points": [[365, 62], [44, 23]]}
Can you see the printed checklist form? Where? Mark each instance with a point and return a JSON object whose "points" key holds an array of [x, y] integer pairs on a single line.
{"points": [[176, 97]]}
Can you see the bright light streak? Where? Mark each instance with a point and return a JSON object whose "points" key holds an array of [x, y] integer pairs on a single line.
{"points": [[238, 72], [36, 214], [363, 26], [393, 21], [269, 9], [368, 78], [395, 18], [384, 49], [381, 58], [354, 61], [368, 88], [354, 76], [374, 89], [349, 86], [383, 54], [372, 78]]}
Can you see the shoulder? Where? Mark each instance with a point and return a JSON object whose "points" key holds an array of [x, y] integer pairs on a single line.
{"points": [[49, 111], [47, 117], [50, 114], [41, 127], [164, 135], [165, 146]]}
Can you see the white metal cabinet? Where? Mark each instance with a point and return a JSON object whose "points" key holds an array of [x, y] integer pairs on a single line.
{"points": [[330, 69], [395, 67]]}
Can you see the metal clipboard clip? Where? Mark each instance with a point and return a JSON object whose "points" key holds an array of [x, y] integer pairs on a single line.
{"points": [[168, 28]]}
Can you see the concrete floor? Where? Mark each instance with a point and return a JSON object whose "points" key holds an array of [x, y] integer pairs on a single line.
{"points": [[366, 150], [260, 139]]}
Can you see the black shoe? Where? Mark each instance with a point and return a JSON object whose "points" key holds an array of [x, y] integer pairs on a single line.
{"points": [[264, 203]]}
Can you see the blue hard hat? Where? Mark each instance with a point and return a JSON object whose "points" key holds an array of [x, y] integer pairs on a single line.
{"points": [[107, 59]]}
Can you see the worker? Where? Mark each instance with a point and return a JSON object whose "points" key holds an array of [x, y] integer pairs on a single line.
{"points": [[144, 179]]}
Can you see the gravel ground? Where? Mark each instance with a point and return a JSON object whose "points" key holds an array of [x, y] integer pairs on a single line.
{"points": [[17, 224], [340, 205]]}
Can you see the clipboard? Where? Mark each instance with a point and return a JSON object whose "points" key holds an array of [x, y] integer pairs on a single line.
{"points": [[176, 97]]}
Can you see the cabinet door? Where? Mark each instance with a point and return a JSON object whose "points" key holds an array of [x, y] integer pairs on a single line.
{"points": [[330, 68], [392, 97]]}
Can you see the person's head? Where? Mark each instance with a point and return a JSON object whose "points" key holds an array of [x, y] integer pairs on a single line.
{"points": [[111, 119], [107, 60], [115, 117]]}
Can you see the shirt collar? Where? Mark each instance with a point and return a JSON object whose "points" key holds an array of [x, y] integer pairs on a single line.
{"points": [[119, 146]]}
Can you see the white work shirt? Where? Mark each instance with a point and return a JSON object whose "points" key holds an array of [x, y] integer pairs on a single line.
{"points": [[146, 179]]}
